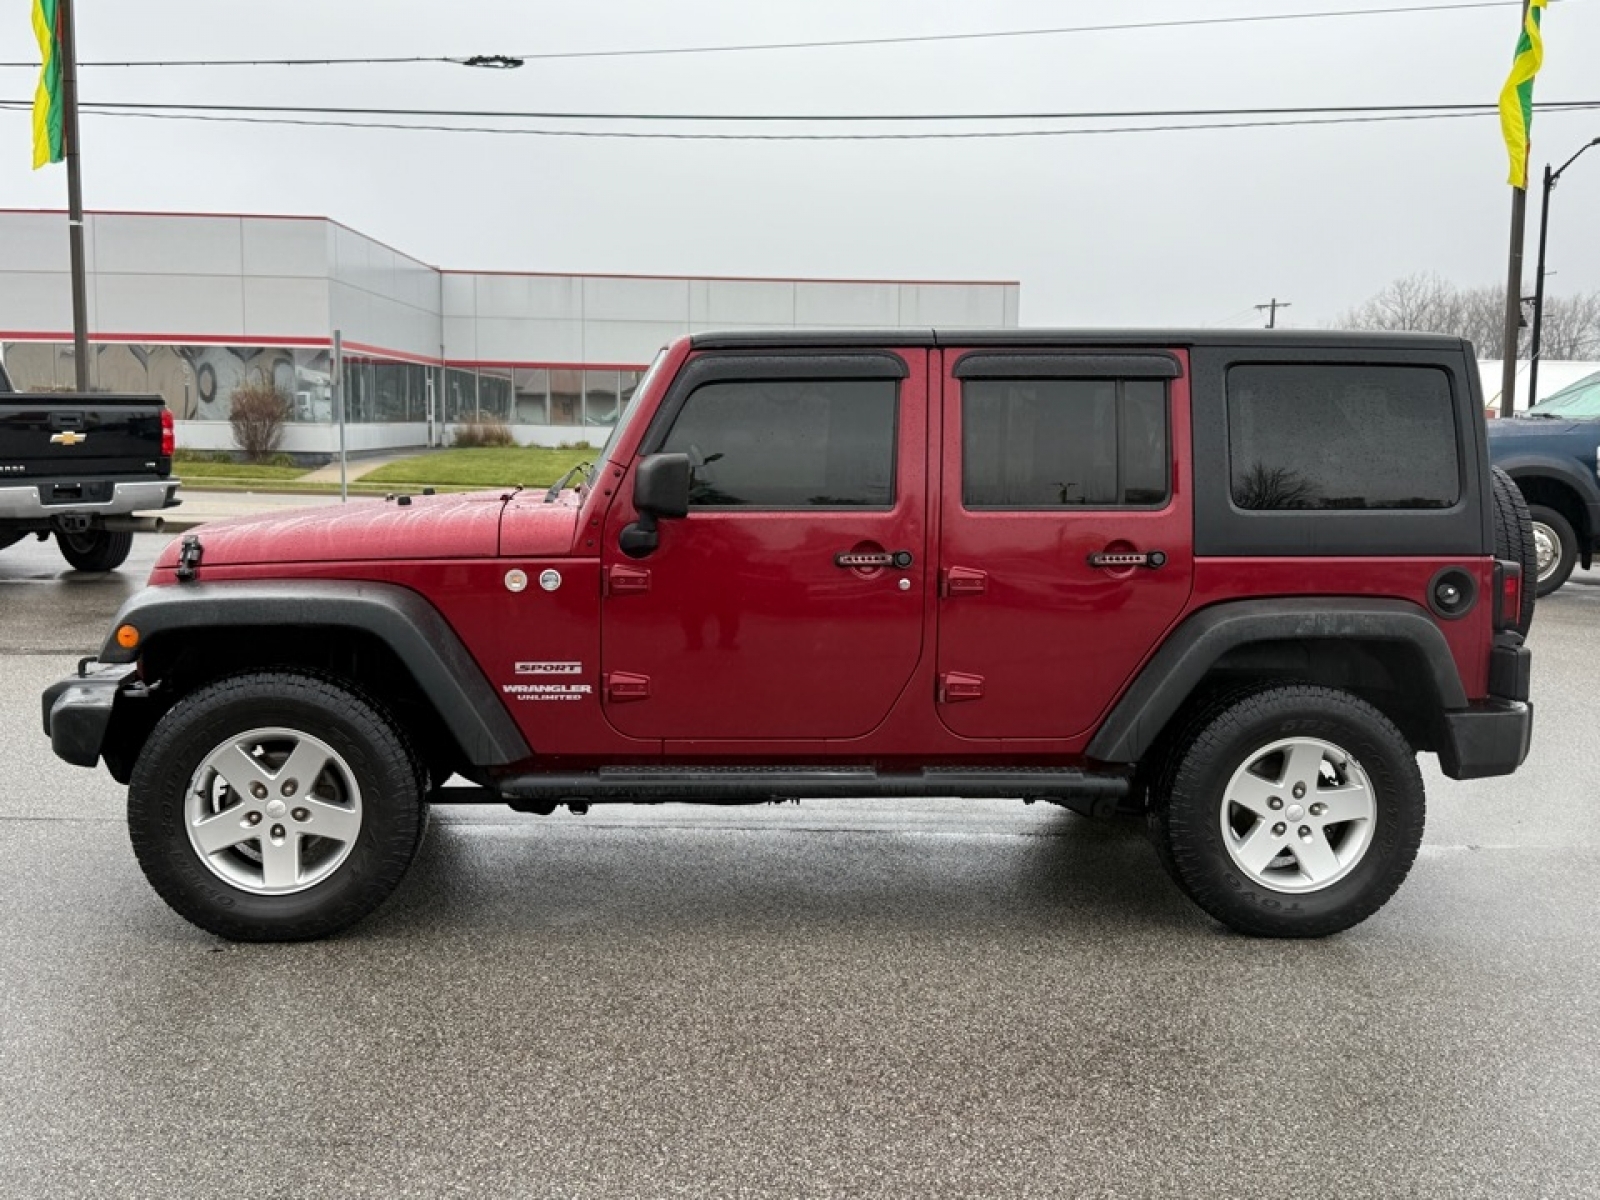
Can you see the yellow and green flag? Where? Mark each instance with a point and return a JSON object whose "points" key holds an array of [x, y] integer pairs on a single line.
{"points": [[49, 142], [1516, 98]]}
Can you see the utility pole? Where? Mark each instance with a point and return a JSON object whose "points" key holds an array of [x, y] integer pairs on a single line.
{"points": [[1519, 212], [1271, 309], [69, 104], [1551, 178]]}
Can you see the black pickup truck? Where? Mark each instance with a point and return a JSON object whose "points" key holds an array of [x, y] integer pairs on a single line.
{"points": [[83, 468], [1550, 452]]}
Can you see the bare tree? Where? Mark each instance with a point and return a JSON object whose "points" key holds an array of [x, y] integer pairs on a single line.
{"points": [[1571, 327], [1428, 304]]}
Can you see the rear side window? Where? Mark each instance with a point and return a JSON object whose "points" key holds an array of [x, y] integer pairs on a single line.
{"points": [[790, 443], [1342, 436], [1052, 443]]}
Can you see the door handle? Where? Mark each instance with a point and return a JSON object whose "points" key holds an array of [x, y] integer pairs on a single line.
{"points": [[1152, 559], [855, 560]]}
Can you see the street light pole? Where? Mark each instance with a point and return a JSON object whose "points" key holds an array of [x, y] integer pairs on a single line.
{"points": [[1550, 178]]}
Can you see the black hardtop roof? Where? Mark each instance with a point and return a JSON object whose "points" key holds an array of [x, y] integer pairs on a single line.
{"points": [[776, 339]]}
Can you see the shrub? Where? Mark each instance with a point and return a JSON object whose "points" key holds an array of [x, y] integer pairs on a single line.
{"points": [[483, 432], [257, 412]]}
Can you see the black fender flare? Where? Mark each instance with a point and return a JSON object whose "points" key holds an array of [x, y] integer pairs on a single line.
{"points": [[1195, 646], [408, 624], [1558, 470]]}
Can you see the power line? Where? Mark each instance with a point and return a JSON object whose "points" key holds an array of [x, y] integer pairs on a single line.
{"points": [[971, 135], [1146, 114], [506, 60]]}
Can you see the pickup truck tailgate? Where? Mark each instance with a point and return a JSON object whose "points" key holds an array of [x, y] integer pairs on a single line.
{"points": [[44, 436]]}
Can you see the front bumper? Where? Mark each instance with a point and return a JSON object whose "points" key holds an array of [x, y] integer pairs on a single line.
{"points": [[77, 710], [46, 499]]}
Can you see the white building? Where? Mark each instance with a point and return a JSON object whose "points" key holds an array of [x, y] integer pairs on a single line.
{"points": [[193, 305]]}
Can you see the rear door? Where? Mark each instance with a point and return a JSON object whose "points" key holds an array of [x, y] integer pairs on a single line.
{"points": [[776, 609], [1066, 524]]}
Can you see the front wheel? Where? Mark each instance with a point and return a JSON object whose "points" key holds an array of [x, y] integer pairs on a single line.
{"points": [[95, 549], [1292, 811], [1555, 546], [275, 807]]}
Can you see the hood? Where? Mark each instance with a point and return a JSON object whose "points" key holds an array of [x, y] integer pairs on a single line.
{"points": [[1520, 427], [533, 529], [430, 527]]}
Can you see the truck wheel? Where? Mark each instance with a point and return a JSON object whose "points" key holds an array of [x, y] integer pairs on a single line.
{"points": [[96, 550], [1514, 540], [1293, 811], [1556, 546], [275, 807]]}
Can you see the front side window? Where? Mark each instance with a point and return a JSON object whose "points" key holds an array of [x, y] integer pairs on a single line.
{"points": [[1052, 443], [1342, 436], [789, 443]]}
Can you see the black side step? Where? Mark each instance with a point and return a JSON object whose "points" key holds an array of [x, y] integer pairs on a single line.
{"points": [[736, 785]]}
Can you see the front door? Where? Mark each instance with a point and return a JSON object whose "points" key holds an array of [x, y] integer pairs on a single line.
{"points": [[1066, 518], [789, 603]]}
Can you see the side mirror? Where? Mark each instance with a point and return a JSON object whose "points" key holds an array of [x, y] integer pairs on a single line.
{"points": [[661, 485], [660, 490]]}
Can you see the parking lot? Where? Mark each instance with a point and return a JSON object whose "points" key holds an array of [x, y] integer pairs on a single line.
{"points": [[834, 998]]}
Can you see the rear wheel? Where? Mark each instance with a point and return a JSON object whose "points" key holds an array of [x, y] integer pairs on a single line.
{"points": [[95, 550], [1556, 546], [275, 807], [1291, 811]]}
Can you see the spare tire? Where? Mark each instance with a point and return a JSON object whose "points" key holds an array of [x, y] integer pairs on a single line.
{"points": [[1513, 540]]}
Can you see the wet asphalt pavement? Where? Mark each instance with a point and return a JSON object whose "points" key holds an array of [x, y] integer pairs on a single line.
{"points": [[830, 999]]}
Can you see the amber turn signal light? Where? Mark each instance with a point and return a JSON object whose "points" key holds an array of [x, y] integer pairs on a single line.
{"points": [[127, 636]]}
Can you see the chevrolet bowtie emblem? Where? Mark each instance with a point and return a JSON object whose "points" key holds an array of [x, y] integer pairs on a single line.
{"points": [[68, 437]]}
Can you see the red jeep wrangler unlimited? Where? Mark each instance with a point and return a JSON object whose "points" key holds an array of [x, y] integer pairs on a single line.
{"points": [[1237, 581]]}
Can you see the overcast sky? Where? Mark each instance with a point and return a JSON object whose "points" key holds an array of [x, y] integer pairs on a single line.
{"points": [[1134, 229]]}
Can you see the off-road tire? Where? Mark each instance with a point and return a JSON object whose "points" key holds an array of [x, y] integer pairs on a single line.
{"points": [[1559, 528], [1513, 541], [369, 744], [96, 550], [1189, 805]]}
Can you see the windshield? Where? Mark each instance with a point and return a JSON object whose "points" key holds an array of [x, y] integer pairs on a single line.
{"points": [[1581, 399], [627, 415]]}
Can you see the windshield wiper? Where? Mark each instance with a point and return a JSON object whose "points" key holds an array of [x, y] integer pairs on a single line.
{"points": [[559, 485]]}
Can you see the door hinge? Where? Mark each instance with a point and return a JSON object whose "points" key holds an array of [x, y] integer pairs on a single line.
{"points": [[963, 581], [622, 580], [621, 686], [954, 686]]}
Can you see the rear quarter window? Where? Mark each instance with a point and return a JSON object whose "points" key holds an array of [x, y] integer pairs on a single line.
{"points": [[1341, 436]]}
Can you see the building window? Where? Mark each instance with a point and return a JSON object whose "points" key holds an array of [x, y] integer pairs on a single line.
{"points": [[532, 385]]}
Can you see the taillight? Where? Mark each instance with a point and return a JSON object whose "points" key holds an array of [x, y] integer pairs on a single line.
{"points": [[1507, 595], [169, 433]]}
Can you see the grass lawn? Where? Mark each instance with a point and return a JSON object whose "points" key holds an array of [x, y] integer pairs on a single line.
{"points": [[531, 466], [185, 469]]}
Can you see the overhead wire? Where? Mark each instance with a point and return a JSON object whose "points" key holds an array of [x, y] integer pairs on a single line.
{"points": [[506, 60], [801, 118], [967, 135]]}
